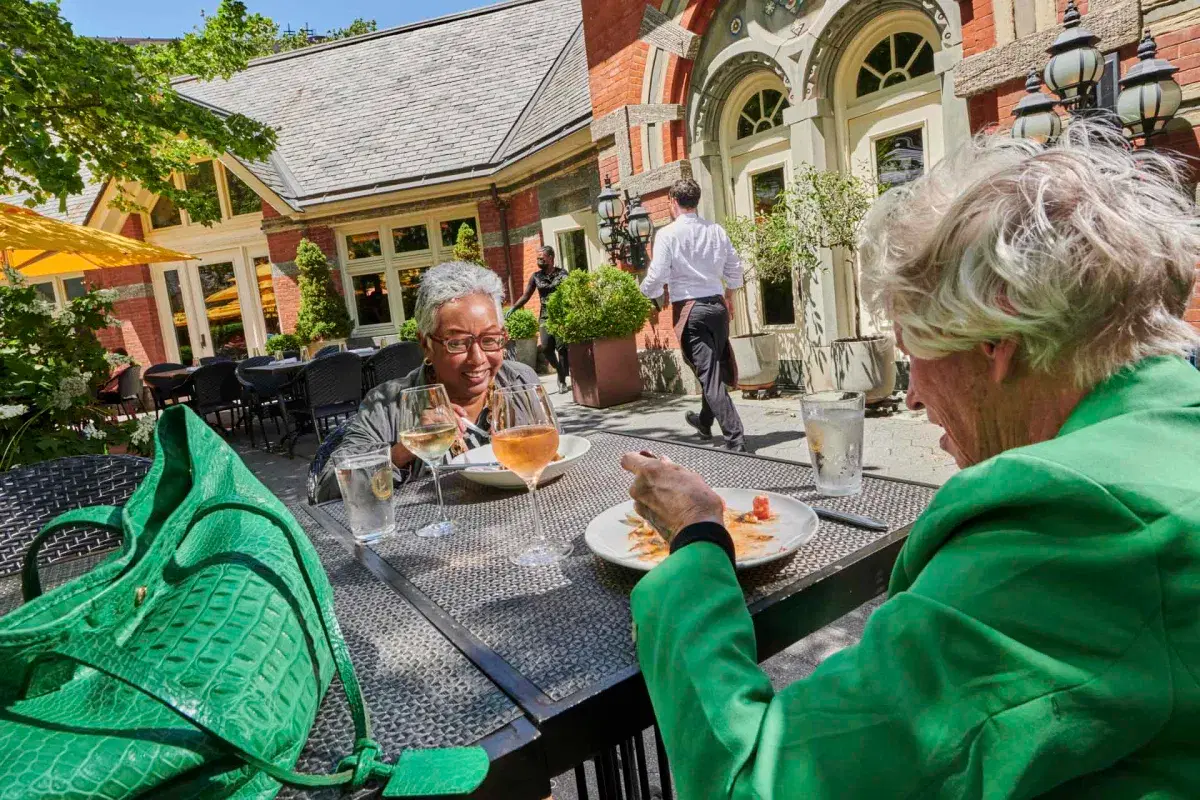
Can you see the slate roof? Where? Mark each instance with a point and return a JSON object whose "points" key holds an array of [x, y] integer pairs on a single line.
{"points": [[78, 205], [441, 100]]}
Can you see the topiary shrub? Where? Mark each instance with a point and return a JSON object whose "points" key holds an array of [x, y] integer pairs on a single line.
{"points": [[605, 304], [466, 246], [408, 331], [323, 313], [521, 324], [282, 342]]}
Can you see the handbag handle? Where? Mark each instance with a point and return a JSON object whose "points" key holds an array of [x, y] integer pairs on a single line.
{"points": [[97, 516], [421, 772]]}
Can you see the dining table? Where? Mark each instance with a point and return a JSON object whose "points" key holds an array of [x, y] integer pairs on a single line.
{"points": [[557, 639]]}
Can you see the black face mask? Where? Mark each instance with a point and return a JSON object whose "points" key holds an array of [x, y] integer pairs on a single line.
{"points": [[543, 264]]}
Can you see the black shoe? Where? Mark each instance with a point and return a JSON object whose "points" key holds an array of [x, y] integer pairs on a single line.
{"points": [[693, 419], [736, 448], [562, 387]]}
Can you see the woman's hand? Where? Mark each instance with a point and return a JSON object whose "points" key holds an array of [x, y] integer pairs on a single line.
{"points": [[402, 457], [669, 496]]}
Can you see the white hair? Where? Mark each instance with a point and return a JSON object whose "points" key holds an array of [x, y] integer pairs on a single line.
{"points": [[1084, 252], [450, 281]]}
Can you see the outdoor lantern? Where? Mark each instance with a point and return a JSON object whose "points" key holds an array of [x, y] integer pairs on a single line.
{"points": [[640, 225], [1036, 118], [1075, 64], [609, 205], [606, 234], [1149, 94]]}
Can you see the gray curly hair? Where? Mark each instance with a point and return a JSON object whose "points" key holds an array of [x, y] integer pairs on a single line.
{"points": [[450, 281], [1085, 252]]}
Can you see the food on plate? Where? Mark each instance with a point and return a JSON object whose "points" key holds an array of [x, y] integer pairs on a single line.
{"points": [[748, 529]]}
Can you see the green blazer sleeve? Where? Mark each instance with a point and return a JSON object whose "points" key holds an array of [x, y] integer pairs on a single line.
{"points": [[1022, 647]]}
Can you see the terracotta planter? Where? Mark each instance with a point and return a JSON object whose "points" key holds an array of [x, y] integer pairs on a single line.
{"points": [[527, 352], [605, 372], [865, 365], [757, 358]]}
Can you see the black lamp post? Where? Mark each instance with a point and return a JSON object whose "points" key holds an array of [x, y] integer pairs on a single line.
{"points": [[1036, 118], [1075, 65], [1149, 94], [625, 226]]}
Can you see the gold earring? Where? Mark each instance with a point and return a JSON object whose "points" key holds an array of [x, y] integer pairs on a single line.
{"points": [[427, 362]]}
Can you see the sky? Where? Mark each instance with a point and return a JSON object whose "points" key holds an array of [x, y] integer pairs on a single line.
{"points": [[156, 18]]}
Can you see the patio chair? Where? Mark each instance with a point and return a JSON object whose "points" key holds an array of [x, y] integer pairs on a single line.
{"points": [[327, 350], [392, 362], [324, 452], [217, 359], [260, 396], [215, 388], [124, 391], [359, 342], [165, 391], [327, 388]]}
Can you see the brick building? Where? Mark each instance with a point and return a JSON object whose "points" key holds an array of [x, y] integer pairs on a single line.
{"points": [[508, 118]]}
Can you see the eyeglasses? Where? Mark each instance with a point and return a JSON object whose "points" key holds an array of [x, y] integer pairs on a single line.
{"points": [[488, 343]]}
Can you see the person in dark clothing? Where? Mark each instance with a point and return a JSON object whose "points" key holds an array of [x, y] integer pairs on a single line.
{"points": [[545, 281]]}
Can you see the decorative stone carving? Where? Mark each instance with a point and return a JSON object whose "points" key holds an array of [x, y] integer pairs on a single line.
{"points": [[661, 31], [712, 96]]}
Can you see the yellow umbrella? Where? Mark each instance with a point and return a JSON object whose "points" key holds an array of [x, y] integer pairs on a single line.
{"points": [[37, 245]]}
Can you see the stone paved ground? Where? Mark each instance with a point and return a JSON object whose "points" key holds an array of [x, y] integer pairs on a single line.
{"points": [[902, 445]]}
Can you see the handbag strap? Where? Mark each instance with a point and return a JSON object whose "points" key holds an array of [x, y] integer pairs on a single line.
{"points": [[96, 516], [424, 772]]}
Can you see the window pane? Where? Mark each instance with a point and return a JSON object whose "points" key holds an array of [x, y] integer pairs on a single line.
{"points": [[778, 308], [363, 245], [766, 186], [242, 199], [178, 315], [223, 309], [867, 83], [371, 299], [923, 63], [880, 57], [164, 214], [266, 294], [893, 79], [906, 47], [745, 128], [74, 287], [203, 180], [46, 290], [572, 249], [899, 158], [771, 99], [410, 282], [411, 239], [450, 230]]}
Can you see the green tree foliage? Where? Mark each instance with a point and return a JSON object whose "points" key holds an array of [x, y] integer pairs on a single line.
{"points": [[70, 102], [466, 246], [521, 324], [408, 331], [323, 314], [604, 304], [289, 40], [281, 342]]}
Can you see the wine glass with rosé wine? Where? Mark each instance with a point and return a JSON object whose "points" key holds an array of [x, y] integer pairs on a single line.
{"points": [[429, 428], [525, 440]]}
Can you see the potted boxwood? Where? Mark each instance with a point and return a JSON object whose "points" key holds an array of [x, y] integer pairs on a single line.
{"points": [[597, 314], [323, 319], [280, 344], [522, 327]]}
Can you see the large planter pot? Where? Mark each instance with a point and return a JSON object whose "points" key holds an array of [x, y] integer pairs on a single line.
{"points": [[605, 372], [526, 351], [866, 365], [757, 358]]}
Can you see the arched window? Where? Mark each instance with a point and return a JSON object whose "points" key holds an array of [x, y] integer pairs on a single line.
{"points": [[895, 59], [763, 111]]}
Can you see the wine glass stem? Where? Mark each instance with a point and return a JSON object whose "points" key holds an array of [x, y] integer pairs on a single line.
{"points": [[539, 536], [437, 484]]}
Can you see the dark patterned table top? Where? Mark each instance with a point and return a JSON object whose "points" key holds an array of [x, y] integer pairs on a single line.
{"points": [[566, 628]]}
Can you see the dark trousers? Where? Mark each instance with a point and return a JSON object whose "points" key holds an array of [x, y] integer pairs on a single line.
{"points": [[556, 354], [705, 336]]}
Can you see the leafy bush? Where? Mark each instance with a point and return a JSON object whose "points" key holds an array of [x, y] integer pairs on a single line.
{"points": [[280, 342], [466, 246], [521, 324], [323, 314], [51, 365], [605, 304], [408, 331]]}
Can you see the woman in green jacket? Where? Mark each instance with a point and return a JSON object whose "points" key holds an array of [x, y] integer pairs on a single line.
{"points": [[1042, 632]]}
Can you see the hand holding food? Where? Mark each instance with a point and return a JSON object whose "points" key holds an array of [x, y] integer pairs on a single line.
{"points": [[668, 496]]}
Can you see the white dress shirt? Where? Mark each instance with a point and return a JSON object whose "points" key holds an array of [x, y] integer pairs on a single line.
{"points": [[695, 257]]}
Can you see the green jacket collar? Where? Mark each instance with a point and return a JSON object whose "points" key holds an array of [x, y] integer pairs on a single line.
{"points": [[1153, 383]]}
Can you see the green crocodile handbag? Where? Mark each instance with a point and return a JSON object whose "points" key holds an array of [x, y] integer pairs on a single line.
{"points": [[193, 662]]}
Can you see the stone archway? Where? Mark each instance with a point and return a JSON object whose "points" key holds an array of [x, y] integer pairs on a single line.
{"points": [[705, 119]]}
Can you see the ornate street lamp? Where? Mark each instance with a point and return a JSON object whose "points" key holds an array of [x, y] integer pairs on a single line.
{"points": [[1149, 94], [625, 226], [1075, 65], [1036, 118]]}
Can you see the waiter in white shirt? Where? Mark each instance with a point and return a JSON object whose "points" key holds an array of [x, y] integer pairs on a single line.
{"points": [[696, 260]]}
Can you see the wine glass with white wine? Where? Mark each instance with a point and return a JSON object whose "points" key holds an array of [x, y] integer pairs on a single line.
{"points": [[429, 428], [525, 440]]}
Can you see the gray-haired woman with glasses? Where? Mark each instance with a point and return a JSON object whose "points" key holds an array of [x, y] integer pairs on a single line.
{"points": [[461, 332]]}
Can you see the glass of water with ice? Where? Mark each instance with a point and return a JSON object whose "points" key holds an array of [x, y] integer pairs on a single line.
{"points": [[833, 425], [364, 475]]}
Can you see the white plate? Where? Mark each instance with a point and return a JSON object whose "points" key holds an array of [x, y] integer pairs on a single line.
{"points": [[571, 448], [793, 525]]}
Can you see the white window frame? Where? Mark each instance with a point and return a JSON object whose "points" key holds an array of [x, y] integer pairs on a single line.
{"points": [[585, 220], [223, 200], [58, 282]]}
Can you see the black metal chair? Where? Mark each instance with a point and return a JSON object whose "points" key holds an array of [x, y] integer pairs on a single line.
{"points": [[327, 350], [217, 359], [324, 452], [124, 391], [328, 388], [392, 362], [215, 388], [165, 391], [260, 396]]}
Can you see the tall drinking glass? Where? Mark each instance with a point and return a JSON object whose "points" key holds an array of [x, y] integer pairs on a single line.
{"points": [[364, 476], [428, 428], [525, 440], [833, 425]]}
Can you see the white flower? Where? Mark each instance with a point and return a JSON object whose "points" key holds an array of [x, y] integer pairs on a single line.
{"points": [[42, 306], [11, 411], [90, 431], [67, 317], [106, 295], [143, 431], [110, 321], [117, 359], [34, 349], [68, 389]]}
